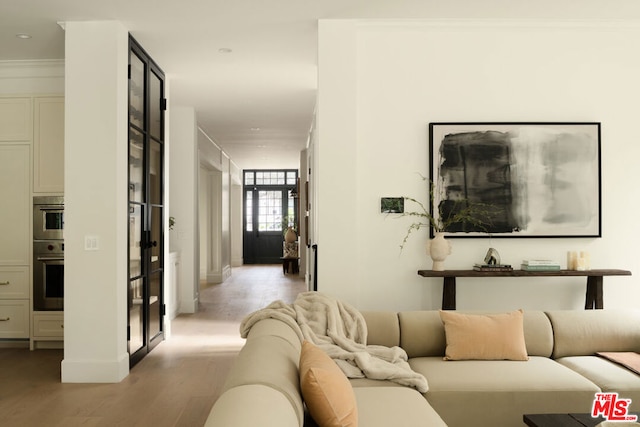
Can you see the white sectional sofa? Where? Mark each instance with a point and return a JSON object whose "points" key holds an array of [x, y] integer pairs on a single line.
{"points": [[562, 373]]}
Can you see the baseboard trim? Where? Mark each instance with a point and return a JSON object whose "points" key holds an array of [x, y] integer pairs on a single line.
{"points": [[189, 307], [14, 343], [226, 272], [95, 371]]}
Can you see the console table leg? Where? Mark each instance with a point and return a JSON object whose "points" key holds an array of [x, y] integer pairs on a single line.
{"points": [[449, 294], [594, 298]]}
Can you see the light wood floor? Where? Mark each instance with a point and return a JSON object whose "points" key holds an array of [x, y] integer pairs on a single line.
{"points": [[175, 385]]}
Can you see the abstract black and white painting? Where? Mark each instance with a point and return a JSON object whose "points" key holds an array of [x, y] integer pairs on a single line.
{"points": [[538, 179]]}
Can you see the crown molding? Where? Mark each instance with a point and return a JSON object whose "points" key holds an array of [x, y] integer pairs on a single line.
{"points": [[47, 68]]}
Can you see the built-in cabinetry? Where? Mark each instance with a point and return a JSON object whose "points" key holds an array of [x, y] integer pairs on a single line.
{"points": [[48, 145], [31, 162], [15, 216], [47, 327]]}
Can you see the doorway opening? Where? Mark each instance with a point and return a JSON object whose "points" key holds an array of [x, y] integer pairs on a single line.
{"points": [[269, 209]]}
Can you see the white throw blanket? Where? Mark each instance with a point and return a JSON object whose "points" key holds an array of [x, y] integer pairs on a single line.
{"points": [[341, 331]]}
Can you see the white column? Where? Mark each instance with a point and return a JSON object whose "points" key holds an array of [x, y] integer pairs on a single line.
{"points": [[95, 312], [183, 187], [335, 168]]}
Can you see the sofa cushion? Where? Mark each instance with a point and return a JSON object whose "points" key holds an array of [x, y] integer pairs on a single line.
{"points": [[326, 390], [368, 382], [383, 328], [484, 336], [394, 406], [498, 392], [585, 332], [607, 375], [422, 333]]}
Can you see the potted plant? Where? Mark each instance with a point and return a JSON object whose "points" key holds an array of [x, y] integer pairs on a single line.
{"points": [[459, 213]]}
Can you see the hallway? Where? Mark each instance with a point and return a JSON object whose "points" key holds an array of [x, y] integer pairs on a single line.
{"points": [[175, 385], [222, 306]]}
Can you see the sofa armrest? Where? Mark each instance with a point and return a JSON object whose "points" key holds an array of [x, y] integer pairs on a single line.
{"points": [[250, 406], [585, 332]]}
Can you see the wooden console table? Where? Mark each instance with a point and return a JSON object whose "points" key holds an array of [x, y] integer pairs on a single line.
{"points": [[594, 299]]}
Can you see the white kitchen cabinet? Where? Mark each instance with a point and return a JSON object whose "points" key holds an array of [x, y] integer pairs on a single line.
{"points": [[14, 318], [15, 214], [14, 282], [15, 119], [47, 329], [48, 145]]}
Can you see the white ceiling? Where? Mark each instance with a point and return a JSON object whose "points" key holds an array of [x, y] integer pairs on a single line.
{"points": [[256, 102]]}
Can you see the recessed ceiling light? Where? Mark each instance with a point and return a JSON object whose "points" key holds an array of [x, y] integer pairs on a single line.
{"points": [[255, 129], [225, 50], [23, 36]]}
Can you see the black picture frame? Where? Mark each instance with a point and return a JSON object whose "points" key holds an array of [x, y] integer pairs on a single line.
{"points": [[540, 179]]}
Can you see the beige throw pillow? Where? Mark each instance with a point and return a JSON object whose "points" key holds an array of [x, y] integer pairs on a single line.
{"points": [[326, 390], [484, 337]]}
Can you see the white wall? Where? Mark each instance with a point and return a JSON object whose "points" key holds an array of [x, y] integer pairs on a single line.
{"points": [[183, 188], [95, 314], [235, 216], [215, 208], [382, 82]]}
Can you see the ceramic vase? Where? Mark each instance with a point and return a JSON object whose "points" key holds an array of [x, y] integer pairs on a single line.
{"points": [[290, 236], [438, 249]]}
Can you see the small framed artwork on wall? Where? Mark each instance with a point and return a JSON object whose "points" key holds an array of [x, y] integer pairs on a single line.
{"points": [[538, 179], [391, 204]]}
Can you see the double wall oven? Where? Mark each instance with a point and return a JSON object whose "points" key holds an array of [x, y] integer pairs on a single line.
{"points": [[48, 253]]}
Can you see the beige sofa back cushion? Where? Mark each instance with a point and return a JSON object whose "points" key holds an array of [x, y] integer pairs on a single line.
{"points": [[422, 333], [583, 333], [382, 327]]}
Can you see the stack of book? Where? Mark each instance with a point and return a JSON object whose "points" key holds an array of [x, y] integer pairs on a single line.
{"points": [[492, 267], [540, 265]]}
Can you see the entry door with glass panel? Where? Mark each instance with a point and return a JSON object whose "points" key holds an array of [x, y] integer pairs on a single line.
{"points": [[269, 209], [146, 205]]}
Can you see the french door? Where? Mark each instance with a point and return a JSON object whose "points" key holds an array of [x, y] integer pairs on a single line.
{"points": [[269, 208], [146, 205]]}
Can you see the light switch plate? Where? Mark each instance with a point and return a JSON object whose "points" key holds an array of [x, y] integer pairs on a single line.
{"points": [[91, 243]]}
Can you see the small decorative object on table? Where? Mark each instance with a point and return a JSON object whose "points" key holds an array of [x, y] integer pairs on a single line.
{"points": [[580, 262], [492, 257], [540, 265], [492, 262], [492, 267], [438, 249], [290, 235]]}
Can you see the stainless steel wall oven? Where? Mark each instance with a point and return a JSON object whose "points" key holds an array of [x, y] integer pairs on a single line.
{"points": [[48, 218], [48, 253]]}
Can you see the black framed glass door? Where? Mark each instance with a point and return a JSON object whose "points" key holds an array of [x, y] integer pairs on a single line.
{"points": [[146, 204], [269, 209]]}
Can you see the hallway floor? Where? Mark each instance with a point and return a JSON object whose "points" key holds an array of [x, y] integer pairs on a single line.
{"points": [[175, 385]]}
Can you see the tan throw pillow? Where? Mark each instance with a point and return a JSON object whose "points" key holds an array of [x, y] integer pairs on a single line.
{"points": [[326, 390], [484, 337]]}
